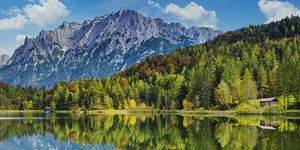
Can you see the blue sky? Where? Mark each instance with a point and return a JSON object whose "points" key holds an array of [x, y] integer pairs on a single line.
{"points": [[20, 18]]}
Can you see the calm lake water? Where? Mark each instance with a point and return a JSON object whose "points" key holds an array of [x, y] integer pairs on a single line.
{"points": [[140, 131]]}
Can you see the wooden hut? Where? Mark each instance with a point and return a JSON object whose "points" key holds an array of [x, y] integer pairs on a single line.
{"points": [[268, 101]]}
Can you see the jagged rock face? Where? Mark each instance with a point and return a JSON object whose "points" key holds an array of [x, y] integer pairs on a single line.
{"points": [[96, 48], [3, 59]]}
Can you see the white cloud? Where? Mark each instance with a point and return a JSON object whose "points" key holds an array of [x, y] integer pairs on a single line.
{"points": [[48, 11], [154, 4], [12, 11], [16, 22], [192, 14], [20, 39], [8, 51], [275, 10], [41, 13]]}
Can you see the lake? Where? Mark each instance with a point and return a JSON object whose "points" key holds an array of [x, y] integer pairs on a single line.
{"points": [[147, 131]]}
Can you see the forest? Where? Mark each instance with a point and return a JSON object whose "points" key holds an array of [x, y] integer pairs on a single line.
{"points": [[227, 72]]}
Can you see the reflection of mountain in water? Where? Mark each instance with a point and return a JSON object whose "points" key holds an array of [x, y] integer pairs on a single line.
{"points": [[45, 142]]}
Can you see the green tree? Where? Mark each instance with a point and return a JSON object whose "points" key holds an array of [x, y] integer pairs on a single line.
{"points": [[53, 105], [108, 102], [222, 94], [25, 105], [262, 81], [248, 86]]}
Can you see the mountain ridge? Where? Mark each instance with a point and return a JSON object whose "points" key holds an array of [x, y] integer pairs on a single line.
{"points": [[96, 48]]}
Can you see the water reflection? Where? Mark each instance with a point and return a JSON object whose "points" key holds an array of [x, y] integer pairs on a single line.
{"points": [[67, 131]]}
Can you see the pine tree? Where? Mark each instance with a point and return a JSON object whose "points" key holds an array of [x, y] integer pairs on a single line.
{"points": [[66, 99], [236, 91], [262, 81], [249, 87], [108, 102]]}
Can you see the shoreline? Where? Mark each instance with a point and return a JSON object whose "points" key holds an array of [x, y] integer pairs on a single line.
{"points": [[177, 112]]}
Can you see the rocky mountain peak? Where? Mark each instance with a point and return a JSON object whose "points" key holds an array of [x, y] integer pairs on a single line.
{"points": [[96, 48]]}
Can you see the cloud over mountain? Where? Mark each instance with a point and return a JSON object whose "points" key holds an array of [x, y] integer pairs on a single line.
{"points": [[192, 14], [41, 13]]}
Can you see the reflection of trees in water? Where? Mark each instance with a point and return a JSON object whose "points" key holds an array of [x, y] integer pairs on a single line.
{"points": [[231, 135], [154, 131], [244, 133], [223, 132]]}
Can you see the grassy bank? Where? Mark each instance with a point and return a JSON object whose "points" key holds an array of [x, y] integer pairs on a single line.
{"points": [[179, 112], [203, 112], [21, 111]]}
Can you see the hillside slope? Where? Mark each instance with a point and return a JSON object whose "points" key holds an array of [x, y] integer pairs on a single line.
{"points": [[288, 28]]}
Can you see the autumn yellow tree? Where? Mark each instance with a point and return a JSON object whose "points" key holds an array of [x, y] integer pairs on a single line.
{"points": [[132, 104], [186, 104]]}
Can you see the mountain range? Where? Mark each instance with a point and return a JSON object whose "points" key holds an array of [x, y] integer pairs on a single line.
{"points": [[96, 48]]}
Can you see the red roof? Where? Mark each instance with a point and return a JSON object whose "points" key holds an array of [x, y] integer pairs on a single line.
{"points": [[267, 99]]}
